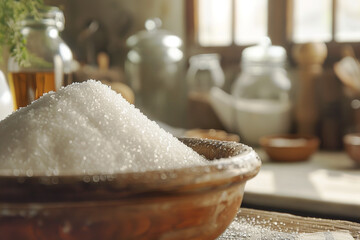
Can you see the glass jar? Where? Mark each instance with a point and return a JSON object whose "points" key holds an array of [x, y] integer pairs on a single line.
{"points": [[6, 105], [204, 73], [155, 71], [262, 93], [50, 59]]}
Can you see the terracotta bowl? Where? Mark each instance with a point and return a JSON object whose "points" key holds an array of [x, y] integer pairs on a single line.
{"points": [[188, 203], [289, 148], [352, 146]]}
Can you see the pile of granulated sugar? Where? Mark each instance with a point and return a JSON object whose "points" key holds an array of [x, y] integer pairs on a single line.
{"points": [[87, 128]]}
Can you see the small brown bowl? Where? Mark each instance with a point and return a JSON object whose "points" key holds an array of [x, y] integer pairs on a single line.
{"points": [[196, 202], [352, 146], [290, 147]]}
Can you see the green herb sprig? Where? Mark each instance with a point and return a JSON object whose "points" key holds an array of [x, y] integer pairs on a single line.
{"points": [[12, 12]]}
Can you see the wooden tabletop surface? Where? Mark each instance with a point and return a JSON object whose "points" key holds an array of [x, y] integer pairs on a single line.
{"points": [[289, 223]]}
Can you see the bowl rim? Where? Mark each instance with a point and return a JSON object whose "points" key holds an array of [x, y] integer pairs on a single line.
{"points": [[238, 164]]}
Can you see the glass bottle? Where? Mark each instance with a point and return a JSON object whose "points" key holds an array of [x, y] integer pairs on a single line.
{"points": [[50, 59], [155, 70], [204, 73], [262, 92]]}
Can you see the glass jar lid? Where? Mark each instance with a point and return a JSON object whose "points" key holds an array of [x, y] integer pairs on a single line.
{"points": [[264, 53], [205, 60], [50, 16], [153, 37]]}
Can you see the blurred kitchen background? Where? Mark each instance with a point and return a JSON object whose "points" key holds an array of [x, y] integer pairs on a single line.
{"points": [[285, 82], [230, 69]]}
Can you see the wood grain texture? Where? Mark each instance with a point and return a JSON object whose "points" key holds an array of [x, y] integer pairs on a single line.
{"points": [[293, 223]]}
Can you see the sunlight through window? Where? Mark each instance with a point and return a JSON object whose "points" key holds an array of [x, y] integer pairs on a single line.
{"points": [[347, 21], [215, 22], [312, 20], [250, 21]]}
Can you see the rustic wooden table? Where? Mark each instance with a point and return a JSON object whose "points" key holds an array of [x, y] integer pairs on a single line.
{"points": [[289, 224]]}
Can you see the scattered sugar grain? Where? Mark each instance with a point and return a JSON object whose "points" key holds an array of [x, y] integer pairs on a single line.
{"points": [[249, 228], [87, 128]]}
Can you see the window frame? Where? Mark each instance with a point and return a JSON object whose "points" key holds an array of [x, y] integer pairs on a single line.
{"points": [[279, 30]]}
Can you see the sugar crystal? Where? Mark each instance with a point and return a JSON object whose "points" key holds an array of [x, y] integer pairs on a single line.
{"points": [[87, 128]]}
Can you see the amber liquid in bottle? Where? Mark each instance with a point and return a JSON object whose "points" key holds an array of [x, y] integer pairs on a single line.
{"points": [[29, 86]]}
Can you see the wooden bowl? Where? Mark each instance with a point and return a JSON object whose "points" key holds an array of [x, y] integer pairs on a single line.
{"points": [[290, 147], [187, 203], [214, 134], [352, 146]]}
